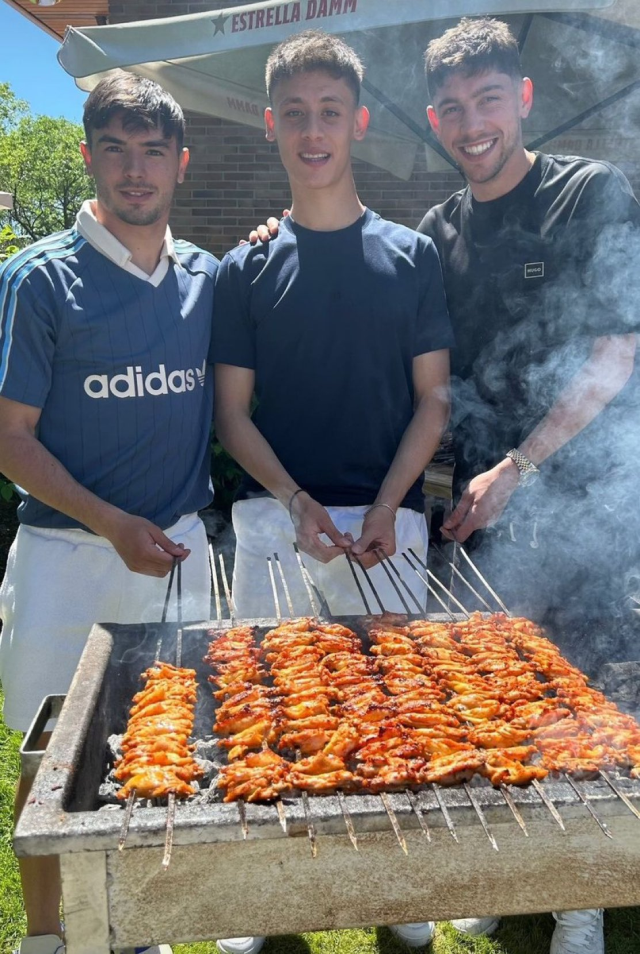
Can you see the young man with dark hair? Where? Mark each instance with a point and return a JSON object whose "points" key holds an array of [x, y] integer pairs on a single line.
{"points": [[105, 408], [341, 330], [536, 253]]}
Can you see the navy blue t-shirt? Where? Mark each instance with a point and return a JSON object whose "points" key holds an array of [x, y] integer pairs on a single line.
{"points": [[331, 322], [120, 370]]}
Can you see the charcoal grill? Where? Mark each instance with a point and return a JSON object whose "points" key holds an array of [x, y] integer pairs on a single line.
{"points": [[238, 870]]}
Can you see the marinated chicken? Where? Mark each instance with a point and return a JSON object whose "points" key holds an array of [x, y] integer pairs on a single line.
{"points": [[310, 710], [156, 758]]}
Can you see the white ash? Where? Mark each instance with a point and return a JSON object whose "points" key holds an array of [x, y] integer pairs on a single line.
{"points": [[206, 754]]}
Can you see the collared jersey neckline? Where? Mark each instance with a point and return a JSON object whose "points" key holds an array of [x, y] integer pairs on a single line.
{"points": [[108, 245]]}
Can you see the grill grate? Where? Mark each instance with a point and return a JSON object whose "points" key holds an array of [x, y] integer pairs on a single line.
{"points": [[446, 599]]}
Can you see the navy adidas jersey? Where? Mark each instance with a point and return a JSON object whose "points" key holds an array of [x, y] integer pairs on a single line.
{"points": [[120, 370]]}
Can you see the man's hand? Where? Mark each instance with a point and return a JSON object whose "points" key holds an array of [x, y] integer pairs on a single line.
{"points": [[378, 532], [264, 233], [311, 520], [143, 547], [483, 501]]}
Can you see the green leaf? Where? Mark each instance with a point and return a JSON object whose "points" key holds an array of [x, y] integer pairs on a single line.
{"points": [[7, 491]]}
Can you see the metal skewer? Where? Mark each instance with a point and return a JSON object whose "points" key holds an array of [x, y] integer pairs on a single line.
{"points": [[456, 572], [345, 812], [168, 841], [445, 812], [413, 801], [165, 608], [435, 579], [216, 585], [282, 816], [367, 608], [316, 608], [585, 801], [382, 556], [131, 800], [171, 802], [274, 589], [480, 814], [348, 821], [124, 831], [169, 586], [227, 589], [621, 795], [242, 812], [547, 801], [179, 607], [384, 560], [429, 587], [305, 798], [285, 587], [514, 809], [369, 581], [482, 580], [311, 831], [394, 821]]}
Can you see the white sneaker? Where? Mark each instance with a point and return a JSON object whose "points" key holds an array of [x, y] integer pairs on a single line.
{"points": [[578, 932], [475, 927], [240, 945], [418, 934], [156, 949], [42, 944]]}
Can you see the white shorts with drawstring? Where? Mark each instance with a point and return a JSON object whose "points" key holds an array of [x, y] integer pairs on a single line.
{"points": [[58, 583], [263, 527]]}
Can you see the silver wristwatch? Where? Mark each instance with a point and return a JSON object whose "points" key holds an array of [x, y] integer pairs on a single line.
{"points": [[527, 470]]}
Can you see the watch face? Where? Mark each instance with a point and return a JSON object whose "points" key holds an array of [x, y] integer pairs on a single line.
{"points": [[528, 477]]}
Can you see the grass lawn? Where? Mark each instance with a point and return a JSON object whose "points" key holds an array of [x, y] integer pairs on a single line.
{"points": [[518, 935]]}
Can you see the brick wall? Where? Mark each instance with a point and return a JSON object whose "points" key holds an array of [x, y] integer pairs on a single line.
{"points": [[235, 178]]}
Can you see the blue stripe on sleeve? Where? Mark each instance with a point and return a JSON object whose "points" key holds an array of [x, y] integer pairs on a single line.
{"points": [[15, 271]]}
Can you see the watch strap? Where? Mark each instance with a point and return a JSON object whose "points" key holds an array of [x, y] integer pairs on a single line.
{"points": [[526, 468]]}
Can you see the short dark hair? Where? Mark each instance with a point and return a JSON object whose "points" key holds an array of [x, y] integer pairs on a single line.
{"points": [[314, 50], [139, 102], [472, 47]]}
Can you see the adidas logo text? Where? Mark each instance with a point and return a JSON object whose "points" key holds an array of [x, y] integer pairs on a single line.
{"points": [[134, 383]]}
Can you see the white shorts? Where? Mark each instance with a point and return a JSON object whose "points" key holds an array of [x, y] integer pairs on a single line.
{"points": [[263, 527], [58, 583]]}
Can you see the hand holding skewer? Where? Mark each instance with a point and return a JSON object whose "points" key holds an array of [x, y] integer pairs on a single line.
{"points": [[311, 521], [142, 546], [378, 534], [483, 501]]}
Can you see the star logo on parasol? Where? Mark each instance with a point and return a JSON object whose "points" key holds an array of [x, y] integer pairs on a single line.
{"points": [[219, 23]]}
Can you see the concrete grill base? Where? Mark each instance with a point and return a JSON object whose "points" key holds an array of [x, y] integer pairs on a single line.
{"points": [[220, 885], [275, 886]]}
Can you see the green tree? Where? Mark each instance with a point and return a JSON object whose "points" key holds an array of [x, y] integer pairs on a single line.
{"points": [[41, 165], [9, 242], [11, 108]]}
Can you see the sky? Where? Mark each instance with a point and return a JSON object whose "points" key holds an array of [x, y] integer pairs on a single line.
{"points": [[28, 63]]}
